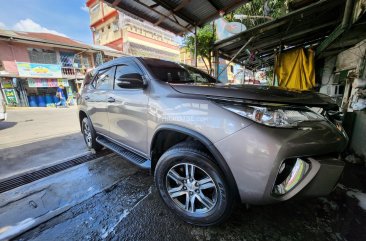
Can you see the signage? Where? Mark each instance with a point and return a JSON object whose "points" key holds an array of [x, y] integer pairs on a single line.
{"points": [[10, 96], [45, 83], [225, 29], [39, 70], [6, 84]]}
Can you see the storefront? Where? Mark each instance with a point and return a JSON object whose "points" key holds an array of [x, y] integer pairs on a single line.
{"points": [[8, 91], [40, 83]]}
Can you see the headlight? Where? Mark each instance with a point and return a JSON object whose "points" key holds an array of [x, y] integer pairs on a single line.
{"points": [[275, 116]]}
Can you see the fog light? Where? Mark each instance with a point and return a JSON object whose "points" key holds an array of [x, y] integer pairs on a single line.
{"points": [[290, 174]]}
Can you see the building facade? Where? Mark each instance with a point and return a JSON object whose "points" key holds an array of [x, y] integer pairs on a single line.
{"points": [[115, 29], [33, 65]]}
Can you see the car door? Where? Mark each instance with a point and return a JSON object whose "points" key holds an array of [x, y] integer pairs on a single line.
{"points": [[96, 99], [128, 112]]}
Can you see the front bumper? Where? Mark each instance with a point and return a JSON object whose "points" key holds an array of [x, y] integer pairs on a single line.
{"points": [[328, 172], [255, 154]]}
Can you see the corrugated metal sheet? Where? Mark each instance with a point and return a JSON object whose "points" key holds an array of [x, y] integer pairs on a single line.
{"points": [[177, 16], [307, 26]]}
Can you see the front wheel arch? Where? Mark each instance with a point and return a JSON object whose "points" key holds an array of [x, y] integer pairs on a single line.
{"points": [[220, 201], [193, 136]]}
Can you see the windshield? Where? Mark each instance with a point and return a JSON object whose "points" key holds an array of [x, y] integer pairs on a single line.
{"points": [[171, 72]]}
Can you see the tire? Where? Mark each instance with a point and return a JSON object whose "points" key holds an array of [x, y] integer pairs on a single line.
{"points": [[90, 135], [212, 203]]}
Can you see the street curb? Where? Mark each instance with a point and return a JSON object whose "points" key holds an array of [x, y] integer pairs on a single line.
{"points": [[38, 108]]}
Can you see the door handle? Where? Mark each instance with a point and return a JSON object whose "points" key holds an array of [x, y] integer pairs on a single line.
{"points": [[111, 99], [86, 98]]}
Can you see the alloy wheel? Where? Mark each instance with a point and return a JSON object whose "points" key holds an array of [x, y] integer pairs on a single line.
{"points": [[87, 134], [191, 188]]}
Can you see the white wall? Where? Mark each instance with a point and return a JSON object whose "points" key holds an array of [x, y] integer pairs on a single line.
{"points": [[352, 57]]}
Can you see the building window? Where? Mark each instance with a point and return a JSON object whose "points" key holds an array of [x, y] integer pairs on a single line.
{"points": [[85, 62], [67, 59], [42, 56], [95, 8]]}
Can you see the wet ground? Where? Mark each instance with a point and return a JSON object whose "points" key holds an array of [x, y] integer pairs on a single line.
{"points": [[130, 209], [110, 199]]}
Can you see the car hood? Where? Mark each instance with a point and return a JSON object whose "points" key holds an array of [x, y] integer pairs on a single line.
{"points": [[257, 93]]}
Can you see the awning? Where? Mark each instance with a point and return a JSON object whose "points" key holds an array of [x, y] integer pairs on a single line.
{"points": [[177, 16], [306, 26]]}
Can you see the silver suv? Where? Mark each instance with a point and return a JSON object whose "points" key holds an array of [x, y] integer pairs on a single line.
{"points": [[207, 144]]}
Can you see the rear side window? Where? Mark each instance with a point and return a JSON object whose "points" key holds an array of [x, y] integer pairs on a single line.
{"points": [[104, 79]]}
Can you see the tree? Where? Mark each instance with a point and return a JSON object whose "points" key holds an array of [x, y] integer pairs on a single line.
{"points": [[269, 9], [206, 37]]}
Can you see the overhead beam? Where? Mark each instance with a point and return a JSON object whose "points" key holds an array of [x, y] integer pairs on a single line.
{"points": [[239, 51], [163, 15], [297, 14], [251, 32], [172, 12], [288, 38], [346, 23], [213, 4], [116, 2], [226, 9], [188, 19]]}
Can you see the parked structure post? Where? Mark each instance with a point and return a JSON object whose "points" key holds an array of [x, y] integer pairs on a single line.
{"points": [[195, 46], [216, 64]]}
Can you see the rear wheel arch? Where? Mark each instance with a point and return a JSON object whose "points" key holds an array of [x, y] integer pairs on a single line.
{"points": [[166, 132]]}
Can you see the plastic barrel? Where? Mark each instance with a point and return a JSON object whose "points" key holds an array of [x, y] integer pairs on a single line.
{"points": [[41, 101], [32, 101], [49, 100], [55, 99]]}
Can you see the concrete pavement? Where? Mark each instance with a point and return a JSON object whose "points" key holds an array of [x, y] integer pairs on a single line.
{"points": [[34, 138], [34, 203], [28, 125], [131, 209]]}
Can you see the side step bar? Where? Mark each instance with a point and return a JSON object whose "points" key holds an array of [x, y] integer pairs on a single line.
{"points": [[123, 152]]}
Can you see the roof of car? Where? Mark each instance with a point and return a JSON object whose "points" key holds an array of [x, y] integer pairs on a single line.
{"points": [[113, 62], [118, 60]]}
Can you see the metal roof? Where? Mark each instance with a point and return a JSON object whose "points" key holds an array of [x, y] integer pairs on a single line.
{"points": [[177, 16], [306, 26], [54, 40]]}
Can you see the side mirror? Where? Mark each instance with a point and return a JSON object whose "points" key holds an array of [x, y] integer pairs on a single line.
{"points": [[131, 81]]}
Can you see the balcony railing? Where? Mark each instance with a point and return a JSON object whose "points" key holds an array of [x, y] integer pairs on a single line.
{"points": [[71, 72]]}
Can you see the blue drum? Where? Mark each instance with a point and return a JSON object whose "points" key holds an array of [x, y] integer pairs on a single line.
{"points": [[49, 100], [32, 101], [41, 101], [55, 99]]}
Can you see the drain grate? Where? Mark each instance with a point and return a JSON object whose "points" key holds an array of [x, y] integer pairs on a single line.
{"points": [[15, 182]]}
